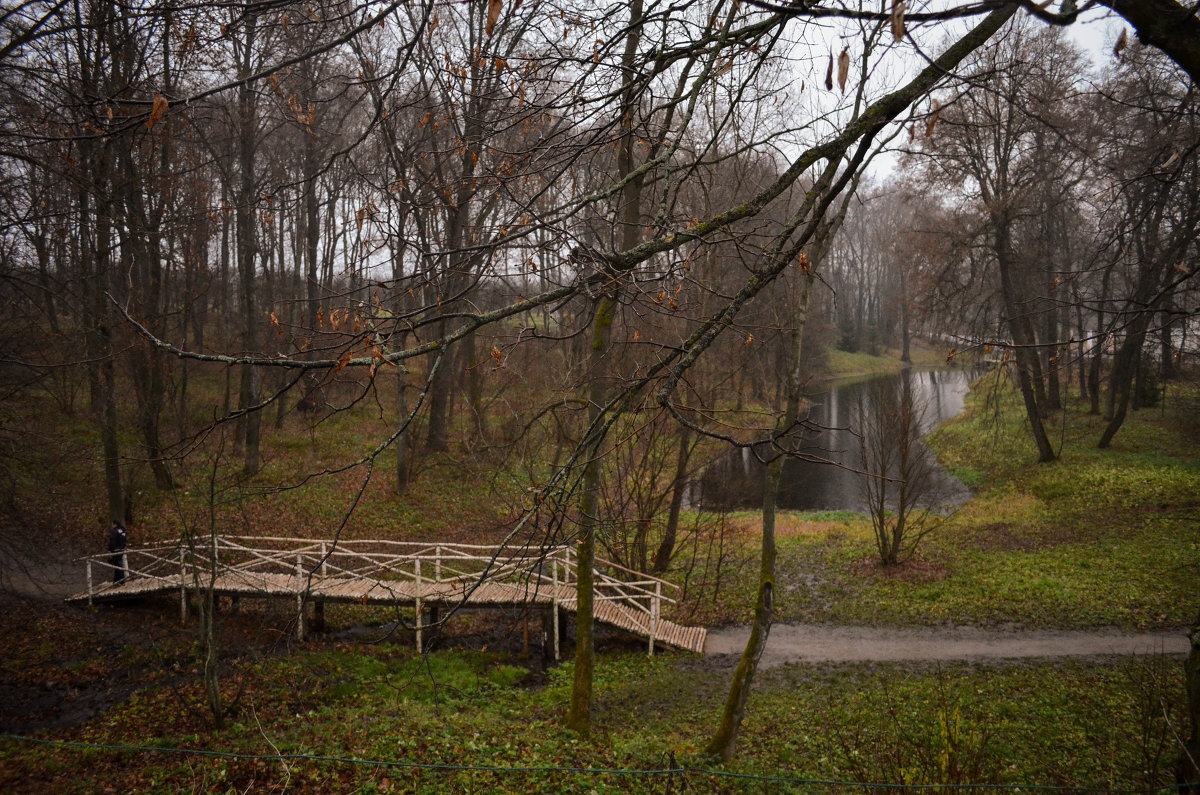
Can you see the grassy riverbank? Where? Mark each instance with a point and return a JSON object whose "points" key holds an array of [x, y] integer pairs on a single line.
{"points": [[1097, 538], [843, 364]]}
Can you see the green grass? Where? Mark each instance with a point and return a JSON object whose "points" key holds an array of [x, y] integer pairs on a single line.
{"points": [[842, 364], [1096, 538], [1062, 724]]}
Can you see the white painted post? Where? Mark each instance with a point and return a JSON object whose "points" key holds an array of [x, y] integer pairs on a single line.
{"points": [[654, 614], [554, 606], [324, 561], [89, 581], [183, 606], [417, 620], [299, 598], [124, 565], [437, 563]]}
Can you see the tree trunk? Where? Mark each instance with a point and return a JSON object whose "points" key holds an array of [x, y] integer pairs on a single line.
{"points": [[666, 547], [141, 244], [724, 741], [580, 715], [246, 247], [1166, 347], [439, 399], [1029, 374], [1125, 365], [102, 373], [905, 332], [402, 452]]}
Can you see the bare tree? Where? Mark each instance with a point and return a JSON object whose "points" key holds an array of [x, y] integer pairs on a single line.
{"points": [[898, 470]]}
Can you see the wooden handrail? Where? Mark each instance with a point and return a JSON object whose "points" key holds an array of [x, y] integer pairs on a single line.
{"points": [[399, 559]]}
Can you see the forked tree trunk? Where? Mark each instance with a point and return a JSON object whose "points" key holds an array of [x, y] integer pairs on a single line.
{"points": [[1029, 375]]}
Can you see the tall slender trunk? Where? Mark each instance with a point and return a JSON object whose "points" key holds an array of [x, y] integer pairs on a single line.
{"points": [[312, 286], [905, 331], [1050, 345], [1125, 365], [436, 437], [724, 740], [1166, 350], [96, 249], [141, 243], [246, 249], [666, 547], [580, 715], [402, 451]]}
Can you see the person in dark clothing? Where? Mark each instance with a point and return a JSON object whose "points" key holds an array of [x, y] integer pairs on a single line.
{"points": [[116, 545]]}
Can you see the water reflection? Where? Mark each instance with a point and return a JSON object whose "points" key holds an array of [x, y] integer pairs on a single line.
{"points": [[736, 481]]}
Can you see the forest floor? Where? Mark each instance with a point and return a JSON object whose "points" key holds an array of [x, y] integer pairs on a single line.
{"points": [[1034, 638], [67, 664]]}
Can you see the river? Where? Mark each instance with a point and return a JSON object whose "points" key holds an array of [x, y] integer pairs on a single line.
{"points": [[735, 481]]}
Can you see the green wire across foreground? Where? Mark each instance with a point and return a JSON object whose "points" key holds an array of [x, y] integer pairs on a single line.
{"points": [[668, 771]]}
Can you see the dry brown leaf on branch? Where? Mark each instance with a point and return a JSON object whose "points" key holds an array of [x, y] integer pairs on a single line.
{"points": [[933, 117], [898, 20], [843, 68], [494, 8], [829, 73], [1122, 41], [157, 110]]}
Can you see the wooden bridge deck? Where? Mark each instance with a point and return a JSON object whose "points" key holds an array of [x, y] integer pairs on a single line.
{"points": [[392, 579]]}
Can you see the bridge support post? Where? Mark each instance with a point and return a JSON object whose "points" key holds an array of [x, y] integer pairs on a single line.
{"points": [[554, 604], [419, 605], [299, 599], [654, 608], [183, 604]]}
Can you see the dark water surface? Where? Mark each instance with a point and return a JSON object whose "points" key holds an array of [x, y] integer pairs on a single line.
{"points": [[736, 481]]}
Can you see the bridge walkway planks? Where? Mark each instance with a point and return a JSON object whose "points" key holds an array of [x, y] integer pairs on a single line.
{"points": [[359, 590]]}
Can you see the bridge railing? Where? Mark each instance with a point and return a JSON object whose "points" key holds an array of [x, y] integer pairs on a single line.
{"points": [[310, 567]]}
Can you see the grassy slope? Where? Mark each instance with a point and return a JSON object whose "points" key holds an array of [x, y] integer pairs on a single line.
{"points": [[842, 364], [1062, 724], [1096, 538]]}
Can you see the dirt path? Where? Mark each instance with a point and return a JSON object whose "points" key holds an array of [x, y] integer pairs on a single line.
{"points": [[796, 643]]}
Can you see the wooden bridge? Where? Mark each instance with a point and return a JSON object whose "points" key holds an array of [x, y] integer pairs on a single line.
{"points": [[424, 576]]}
